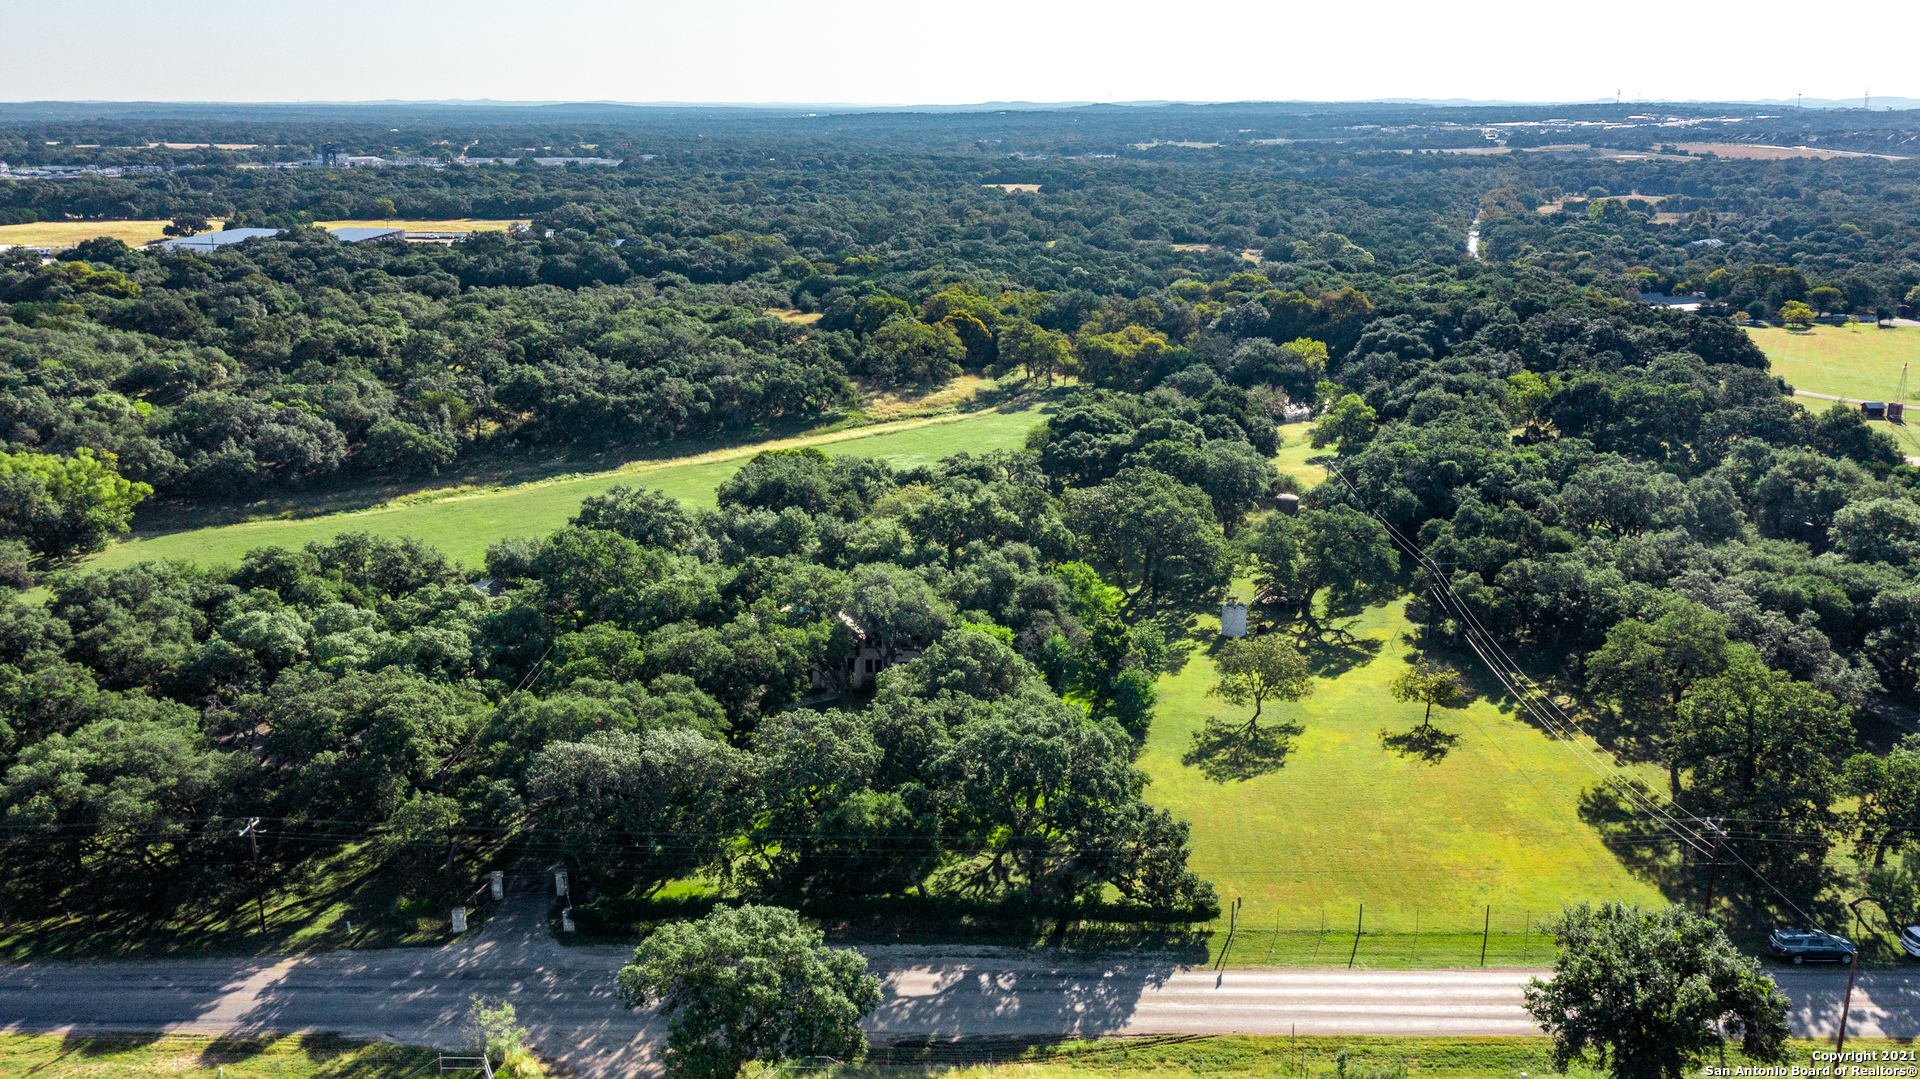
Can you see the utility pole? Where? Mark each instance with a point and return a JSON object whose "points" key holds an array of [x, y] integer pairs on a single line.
{"points": [[1485, 927], [1713, 867], [252, 832], [1846, 1006]]}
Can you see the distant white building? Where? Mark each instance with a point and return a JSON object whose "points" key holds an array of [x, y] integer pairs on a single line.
{"points": [[361, 234], [1689, 302], [209, 241]]}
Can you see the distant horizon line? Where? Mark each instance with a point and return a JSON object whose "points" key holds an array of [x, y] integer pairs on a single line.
{"points": [[1894, 103]]}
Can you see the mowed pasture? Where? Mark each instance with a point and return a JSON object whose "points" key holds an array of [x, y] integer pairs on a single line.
{"points": [[70, 233], [1858, 361], [136, 233], [1295, 450], [1489, 837], [462, 523], [1757, 152]]}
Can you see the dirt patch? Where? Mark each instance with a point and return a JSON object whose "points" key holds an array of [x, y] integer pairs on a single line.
{"points": [[1192, 247], [1028, 188], [794, 314], [892, 403], [1758, 152]]}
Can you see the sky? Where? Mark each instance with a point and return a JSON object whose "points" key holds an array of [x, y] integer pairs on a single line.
{"points": [[871, 52]]}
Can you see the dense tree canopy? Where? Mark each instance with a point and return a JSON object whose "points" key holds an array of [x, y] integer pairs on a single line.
{"points": [[849, 680]]}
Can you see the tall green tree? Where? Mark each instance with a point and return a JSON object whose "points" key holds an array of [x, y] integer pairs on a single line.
{"points": [[1156, 537], [65, 506], [1347, 426], [1649, 994], [748, 984], [1754, 744], [1340, 557], [1428, 682], [1886, 789], [1251, 670], [1040, 353], [1647, 665]]}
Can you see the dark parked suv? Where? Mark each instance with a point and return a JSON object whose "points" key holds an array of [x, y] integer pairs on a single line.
{"points": [[1798, 946]]}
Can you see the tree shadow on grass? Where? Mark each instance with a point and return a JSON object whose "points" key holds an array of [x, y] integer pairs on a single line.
{"points": [[1334, 650], [1225, 751], [106, 1044], [1642, 846], [1424, 742]]}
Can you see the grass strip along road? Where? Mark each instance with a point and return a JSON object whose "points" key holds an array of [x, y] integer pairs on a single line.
{"points": [[565, 996], [80, 1055]]}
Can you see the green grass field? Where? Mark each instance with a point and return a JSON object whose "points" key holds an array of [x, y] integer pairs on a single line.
{"points": [[327, 1056], [463, 523], [1294, 451], [1858, 362], [251, 1056], [1426, 847]]}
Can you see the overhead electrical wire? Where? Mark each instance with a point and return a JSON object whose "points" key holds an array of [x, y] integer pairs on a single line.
{"points": [[1684, 825]]}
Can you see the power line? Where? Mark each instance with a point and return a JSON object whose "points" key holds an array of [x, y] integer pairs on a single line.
{"points": [[1511, 676]]}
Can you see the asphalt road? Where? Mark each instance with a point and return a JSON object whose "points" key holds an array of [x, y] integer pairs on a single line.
{"points": [[566, 996]]}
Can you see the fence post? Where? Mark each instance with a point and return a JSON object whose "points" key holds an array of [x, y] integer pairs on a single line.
{"points": [[1485, 928], [1362, 920]]}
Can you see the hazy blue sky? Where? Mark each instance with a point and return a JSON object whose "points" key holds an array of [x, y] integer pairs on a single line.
{"points": [[869, 51]]}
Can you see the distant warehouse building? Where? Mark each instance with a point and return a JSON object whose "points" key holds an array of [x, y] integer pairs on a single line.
{"points": [[362, 234], [208, 241]]}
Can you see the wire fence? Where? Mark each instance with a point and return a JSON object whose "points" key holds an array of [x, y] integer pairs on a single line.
{"points": [[1365, 938]]}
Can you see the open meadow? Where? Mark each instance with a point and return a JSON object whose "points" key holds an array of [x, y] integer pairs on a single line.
{"points": [[69, 233], [136, 233], [463, 522], [1858, 362], [1426, 847]]}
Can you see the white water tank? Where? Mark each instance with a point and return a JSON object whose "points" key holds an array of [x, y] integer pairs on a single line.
{"points": [[1233, 619]]}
